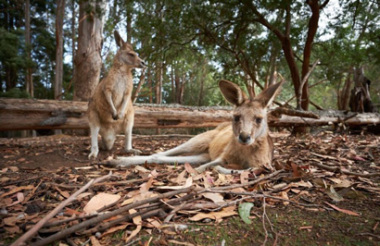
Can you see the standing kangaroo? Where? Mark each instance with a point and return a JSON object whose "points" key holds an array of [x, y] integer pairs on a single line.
{"points": [[245, 142], [110, 110]]}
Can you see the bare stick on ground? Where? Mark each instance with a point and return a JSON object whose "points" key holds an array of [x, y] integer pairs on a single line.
{"points": [[29, 234]]}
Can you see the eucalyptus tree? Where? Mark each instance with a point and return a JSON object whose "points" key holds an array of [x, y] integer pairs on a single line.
{"points": [[88, 61]]}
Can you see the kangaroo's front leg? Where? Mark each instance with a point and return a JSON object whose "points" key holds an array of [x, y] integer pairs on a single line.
{"points": [[124, 105], [108, 96]]}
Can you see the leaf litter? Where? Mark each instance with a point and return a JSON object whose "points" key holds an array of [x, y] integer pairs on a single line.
{"points": [[317, 173]]}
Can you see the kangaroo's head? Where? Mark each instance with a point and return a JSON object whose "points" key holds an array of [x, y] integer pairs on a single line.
{"points": [[125, 55], [249, 120]]}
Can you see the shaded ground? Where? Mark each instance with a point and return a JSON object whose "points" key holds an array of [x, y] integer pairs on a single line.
{"points": [[319, 207]]}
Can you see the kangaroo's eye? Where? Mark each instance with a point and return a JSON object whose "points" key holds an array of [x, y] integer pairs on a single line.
{"points": [[236, 118], [131, 54], [259, 120]]}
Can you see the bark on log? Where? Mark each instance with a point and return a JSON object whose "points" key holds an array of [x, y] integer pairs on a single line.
{"points": [[25, 114]]}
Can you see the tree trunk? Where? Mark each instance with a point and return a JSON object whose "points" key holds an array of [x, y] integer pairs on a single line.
{"points": [[88, 61], [159, 83], [139, 85], [313, 27], [59, 49], [150, 85], [360, 99], [344, 93], [52, 114], [28, 44], [129, 21], [73, 34]]}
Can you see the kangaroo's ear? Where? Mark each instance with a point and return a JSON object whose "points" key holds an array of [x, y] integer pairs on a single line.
{"points": [[268, 95], [232, 92], [119, 41]]}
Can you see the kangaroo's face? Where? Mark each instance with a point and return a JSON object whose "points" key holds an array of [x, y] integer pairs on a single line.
{"points": [[249, 118], [130, 58], [249, 122], [125, 55]]}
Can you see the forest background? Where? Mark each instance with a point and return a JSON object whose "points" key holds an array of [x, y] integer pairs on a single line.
{"points": [[190, 45]]}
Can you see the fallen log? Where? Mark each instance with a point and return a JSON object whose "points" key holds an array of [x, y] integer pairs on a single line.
{"points": [[27, 114]]}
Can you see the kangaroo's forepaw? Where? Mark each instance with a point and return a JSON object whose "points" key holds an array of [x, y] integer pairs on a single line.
{"points": [[133, 151], [115, 116]]}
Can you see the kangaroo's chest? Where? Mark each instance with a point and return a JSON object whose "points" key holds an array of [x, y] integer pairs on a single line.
{"points": [[256, 155], [121, 91]]}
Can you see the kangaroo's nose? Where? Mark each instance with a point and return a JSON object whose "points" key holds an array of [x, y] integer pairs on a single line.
{"points": [[244, 138], [143, 64]]}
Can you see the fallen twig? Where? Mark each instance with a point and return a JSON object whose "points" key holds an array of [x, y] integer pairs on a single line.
{"points": [[339, 170], [256, 181], [21, 241], [97, 219]]}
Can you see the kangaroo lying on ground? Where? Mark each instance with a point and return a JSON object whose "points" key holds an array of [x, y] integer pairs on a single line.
{"points": [[245, 142], [110, 110]]}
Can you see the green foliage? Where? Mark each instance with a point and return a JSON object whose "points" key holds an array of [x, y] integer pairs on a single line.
{"points": [[195, 44], [15, 93]]}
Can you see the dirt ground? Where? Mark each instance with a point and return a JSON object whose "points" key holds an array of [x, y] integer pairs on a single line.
{"points": [[319, 207]]}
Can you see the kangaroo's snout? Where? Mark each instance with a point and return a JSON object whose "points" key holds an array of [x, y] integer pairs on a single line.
{"points": [[142, 64], [245, 138]]}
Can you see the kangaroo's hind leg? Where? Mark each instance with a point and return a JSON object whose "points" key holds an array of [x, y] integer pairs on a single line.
{"points": [[128, 127], [158, 159], [196, 145]]}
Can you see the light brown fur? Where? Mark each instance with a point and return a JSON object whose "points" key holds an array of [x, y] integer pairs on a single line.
{"points": [[110, 110], [245, 142]]}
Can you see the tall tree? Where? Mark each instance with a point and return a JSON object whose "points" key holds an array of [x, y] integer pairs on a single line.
{"points": [[28, 44], [59, 49], [88, 61], [284, 36]]}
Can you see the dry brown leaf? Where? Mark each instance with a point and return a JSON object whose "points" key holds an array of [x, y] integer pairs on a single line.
{"points": [[284, 195], [181, 179], [17, 189], [138, 222], [69, 211], [13, 229], [334, 195], [95, 241], [115, 229], [217, 216], [128, 201], [153, 223], [99, 201], [224, 179], [349, 212], [190, 169], [175, 242], [146, 186], [306, 184], [141, 169], [189, 182], [65, 194], [14, 169], [11, 221], [153, 174], [83, 195], [208, 180], [217, 198], [244, 177]]}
